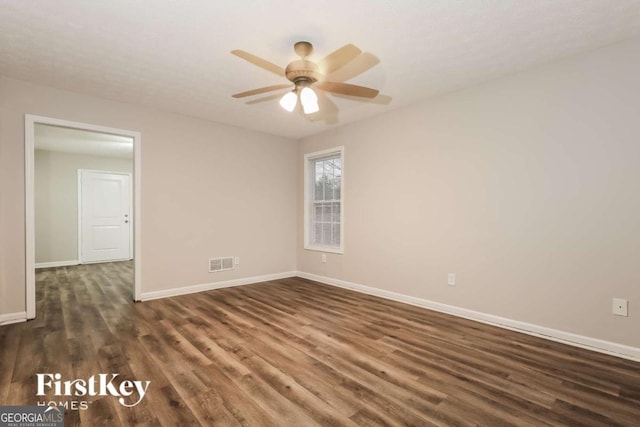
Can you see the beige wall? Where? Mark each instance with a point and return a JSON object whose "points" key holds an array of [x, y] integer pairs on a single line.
{"points": [[526, 188], [56, 200], [207, 190]]}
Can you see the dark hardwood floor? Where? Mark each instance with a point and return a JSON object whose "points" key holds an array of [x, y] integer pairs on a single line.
{"points": [[297, 353]]}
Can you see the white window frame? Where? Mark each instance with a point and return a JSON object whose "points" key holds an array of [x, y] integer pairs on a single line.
{"points": [[308, 200]]}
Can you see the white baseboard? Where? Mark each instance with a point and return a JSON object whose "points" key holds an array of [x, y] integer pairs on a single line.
{"points": [[7, 319], [56, 264], [146, 296], [595, 344]]}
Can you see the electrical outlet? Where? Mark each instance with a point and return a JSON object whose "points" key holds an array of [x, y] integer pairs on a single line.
{"points": [[620, 307], [451, 279], [323, 258], [236, 260]]}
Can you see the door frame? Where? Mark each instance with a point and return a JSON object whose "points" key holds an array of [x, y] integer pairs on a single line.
{"points": [[80, 216], [30, 120]]}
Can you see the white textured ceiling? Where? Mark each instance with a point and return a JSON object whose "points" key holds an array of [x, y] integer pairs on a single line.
{"points": [[66, 140], [174, 55]]}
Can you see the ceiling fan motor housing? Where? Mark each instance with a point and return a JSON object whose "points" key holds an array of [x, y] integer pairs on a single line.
{"points": [[303, 71]]}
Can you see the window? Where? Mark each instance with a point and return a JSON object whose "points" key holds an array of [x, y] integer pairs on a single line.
{"points": [[323, 210]]}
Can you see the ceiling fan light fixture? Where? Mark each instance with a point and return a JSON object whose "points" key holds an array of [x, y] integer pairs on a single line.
{"points": [[304, 73], [289, 101], [309, 100]]}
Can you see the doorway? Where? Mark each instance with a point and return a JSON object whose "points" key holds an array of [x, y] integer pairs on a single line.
{"points": [[33, 127]]}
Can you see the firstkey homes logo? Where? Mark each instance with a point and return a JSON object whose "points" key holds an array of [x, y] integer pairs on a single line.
{"points": [[129, 393]]}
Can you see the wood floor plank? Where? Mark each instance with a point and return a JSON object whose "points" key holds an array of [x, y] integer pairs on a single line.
{"points": [[239, 404], [293, 352], [9, 343]]}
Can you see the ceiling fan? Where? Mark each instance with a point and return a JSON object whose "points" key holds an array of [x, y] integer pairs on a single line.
{"points": [[307, 75]]}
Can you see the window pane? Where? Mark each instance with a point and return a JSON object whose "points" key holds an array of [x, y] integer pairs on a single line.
{"points": [[327, 178], [327, 234], [328, 188], [318, 212], [335, 234], [317, 236], [337, 181], [326, 212], [319, 187], [336, 212]]}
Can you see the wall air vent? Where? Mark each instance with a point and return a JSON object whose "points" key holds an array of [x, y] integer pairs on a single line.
{"points": [[220, 264]]}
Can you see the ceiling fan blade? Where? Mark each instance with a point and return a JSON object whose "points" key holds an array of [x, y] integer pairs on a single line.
{"points": [[261, 90], [266, 98], [378, 100], [354, 68], [338, 58], [328, 110], [348, 89], [262, 63]]}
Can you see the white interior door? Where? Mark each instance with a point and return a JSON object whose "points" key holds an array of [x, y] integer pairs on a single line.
{"points": [[105, 216]]}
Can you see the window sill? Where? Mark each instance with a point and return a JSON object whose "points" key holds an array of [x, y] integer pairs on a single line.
{"points": [[328, 249]]}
